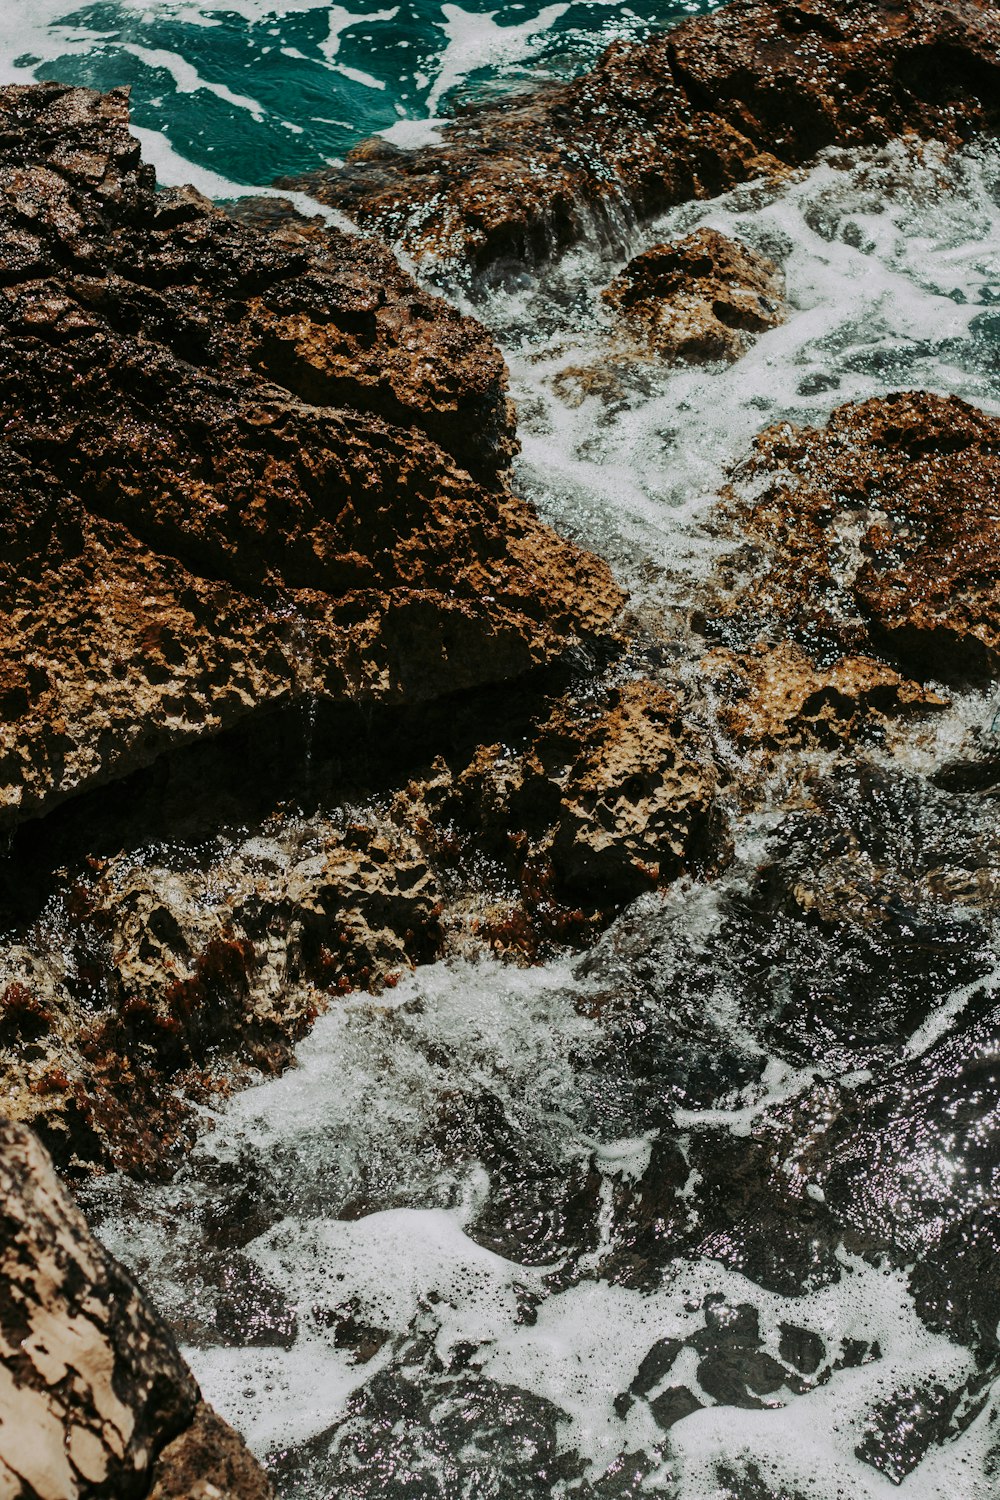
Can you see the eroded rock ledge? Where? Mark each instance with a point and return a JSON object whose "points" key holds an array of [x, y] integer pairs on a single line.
{"points": [[95, 1399], [754, 89], [238, 470]]}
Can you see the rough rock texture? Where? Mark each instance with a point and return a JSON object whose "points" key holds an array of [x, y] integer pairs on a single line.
{"points": [[687, 113], [238, 470], [701, 298], [879, 534], [208, 1461], [608, 797], [151, 983], [776, 697], [92, 1387]]}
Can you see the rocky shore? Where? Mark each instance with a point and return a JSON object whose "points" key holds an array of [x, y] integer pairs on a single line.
{"points": [[297, 692], [753, 91]]}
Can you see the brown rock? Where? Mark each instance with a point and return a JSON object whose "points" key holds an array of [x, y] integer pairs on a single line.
{"points": [[689, 112], [878, 534], [209, 1461], [610, 796], [239, 469], [702, 298], [92, 1387], [169, 980], [775, 696]]}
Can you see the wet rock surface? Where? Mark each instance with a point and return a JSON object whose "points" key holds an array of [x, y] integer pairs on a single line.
{"points": [[147, 985], [233, 472], [612, 794], [96, 1399], [687, 113], [868, 556], [777, 697], [703, 298]]}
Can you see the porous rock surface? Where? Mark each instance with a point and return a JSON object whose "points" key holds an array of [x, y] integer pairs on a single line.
{"points": [[95, 1399], [702, 298], [611, 793], [151, 983], [776, 697], [754, 89], [878, 535], [238, 470]]}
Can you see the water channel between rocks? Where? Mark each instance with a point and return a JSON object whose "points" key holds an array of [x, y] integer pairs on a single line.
{"points": [[710, 1209]]}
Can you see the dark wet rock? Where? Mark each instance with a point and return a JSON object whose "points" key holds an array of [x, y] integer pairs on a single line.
{"points": [[901, 1429], [445, 1429], [239, 471], [673, 1405], [802, 1348], [876, 535], [703, 298], [686, 113], [97, 1399]]}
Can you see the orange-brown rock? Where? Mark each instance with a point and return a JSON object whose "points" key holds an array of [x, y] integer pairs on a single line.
{"points": [[689, 112], [170, 977], [95, 1399], [238, 470], [705, 297], [879, 534], [611, 795], [776, 696]]}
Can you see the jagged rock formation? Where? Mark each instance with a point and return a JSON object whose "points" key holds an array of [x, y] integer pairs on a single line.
{"points": [[161, 981], [611, 794], [705, 297], [237, 471], [878, 535], [753, 89], [95, 1399], [154, 978]]}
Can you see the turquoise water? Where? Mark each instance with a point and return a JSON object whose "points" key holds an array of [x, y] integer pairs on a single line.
{"points": [[251, 89]]}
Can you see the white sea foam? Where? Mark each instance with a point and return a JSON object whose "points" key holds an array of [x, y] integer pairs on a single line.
{"points": [[474, 40], [187, 80], [174, 170], [889, 260]]}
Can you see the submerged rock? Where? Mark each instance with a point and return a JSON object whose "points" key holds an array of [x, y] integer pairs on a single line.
{"points": [[238, 470], [95, 1398], [702, 298], [877, 535], [688, 112]]}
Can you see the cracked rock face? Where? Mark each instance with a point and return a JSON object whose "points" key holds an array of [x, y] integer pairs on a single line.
{"points": [[94, 1396], [688, 113], [702, 298], [240, 469]]}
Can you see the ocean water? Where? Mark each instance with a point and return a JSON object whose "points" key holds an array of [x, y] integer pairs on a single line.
{"points": [[709, 1212], [249, 90]]}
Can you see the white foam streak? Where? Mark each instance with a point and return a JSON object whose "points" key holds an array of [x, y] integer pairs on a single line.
{"points": [[186, 78], [474, 41]]}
